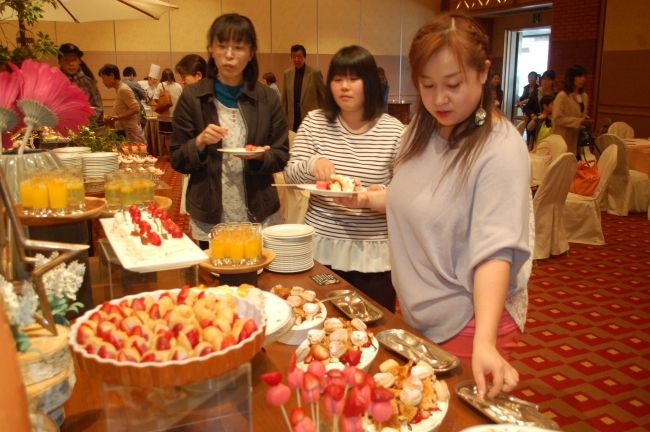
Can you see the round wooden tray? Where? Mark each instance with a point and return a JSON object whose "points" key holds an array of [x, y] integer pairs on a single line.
{"points": [[267, 256], [170, 373], [94, 208]]}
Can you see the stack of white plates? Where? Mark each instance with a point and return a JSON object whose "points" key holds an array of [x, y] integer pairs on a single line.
{"points": [[293, 245], [99, 163], [71, 156]]}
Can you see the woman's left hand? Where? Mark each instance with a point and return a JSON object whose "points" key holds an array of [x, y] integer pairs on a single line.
{"points": [[487, 360]]}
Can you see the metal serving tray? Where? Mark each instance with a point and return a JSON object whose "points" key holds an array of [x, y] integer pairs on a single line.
{"points": [[417, 349], [505, 408], [352, 305]]}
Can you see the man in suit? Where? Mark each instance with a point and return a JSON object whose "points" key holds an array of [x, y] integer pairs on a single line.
{"points": [[303, 90]]}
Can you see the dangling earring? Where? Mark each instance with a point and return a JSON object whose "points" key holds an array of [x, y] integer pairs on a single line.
{"points": [[480, 114]]}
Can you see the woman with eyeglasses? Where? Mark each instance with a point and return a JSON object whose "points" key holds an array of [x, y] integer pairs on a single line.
{"points": [[229, 109]]}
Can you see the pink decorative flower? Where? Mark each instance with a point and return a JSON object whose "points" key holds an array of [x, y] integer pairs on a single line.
{"points": [[9, 88]]}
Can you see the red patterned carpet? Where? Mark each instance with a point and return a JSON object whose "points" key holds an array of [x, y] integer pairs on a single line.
{"points": [[585, 354]]}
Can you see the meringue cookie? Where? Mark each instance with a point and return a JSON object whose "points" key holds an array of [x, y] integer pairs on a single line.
{"points": [[387, 365], [294, 301], [358, 324], [442, 391], [311, 309], [359, 338], [308, 295], [316, 336], [339, 334], [411, 396], [412, 383], [421, 371], [384, 379], [332, 324], [296, 290], [337, 348]]}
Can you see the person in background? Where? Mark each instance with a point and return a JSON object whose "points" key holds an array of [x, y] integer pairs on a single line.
{"points": [[352, 136], [127, 110], [129, 78], [78, 72], [150, 83], [570, 108], [495, 89], [546, 88], [529, 89], [168, 83], [191, 68], [269, 79], [458, 224], [539, 126], [385, 88], [229, 109], [303, 89]]}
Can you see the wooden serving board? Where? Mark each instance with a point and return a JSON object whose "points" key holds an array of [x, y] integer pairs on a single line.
{"points": [[94, 208]]}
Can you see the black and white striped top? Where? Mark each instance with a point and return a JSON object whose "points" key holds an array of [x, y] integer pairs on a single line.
{"points": [[367, 156]]}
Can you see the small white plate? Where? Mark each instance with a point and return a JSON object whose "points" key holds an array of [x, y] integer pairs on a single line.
{"points": [[285, 231], [240, 151], [311, 188]]}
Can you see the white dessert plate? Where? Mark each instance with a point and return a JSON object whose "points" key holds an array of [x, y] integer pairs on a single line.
{"points": [[311, 188], [240, 151], [298, 332], [134, 256], [288, 231]]}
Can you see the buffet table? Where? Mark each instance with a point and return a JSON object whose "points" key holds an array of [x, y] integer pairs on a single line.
{"points": [[84, 409]]}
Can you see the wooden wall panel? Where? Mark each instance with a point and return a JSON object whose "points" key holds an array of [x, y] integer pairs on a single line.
{"points": [[339, 24], [190, 24], [259, 12], [97, 36], [380, 23], [293, 22]]}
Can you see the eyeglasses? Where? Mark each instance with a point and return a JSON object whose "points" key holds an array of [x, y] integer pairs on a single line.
{"points": [[236, 50]]}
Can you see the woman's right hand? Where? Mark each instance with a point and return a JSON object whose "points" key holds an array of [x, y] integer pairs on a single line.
{"points": [[212, 134], [323, 169]]}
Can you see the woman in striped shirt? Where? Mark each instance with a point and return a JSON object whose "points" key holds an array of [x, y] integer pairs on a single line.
{"points": [[350, 136]]}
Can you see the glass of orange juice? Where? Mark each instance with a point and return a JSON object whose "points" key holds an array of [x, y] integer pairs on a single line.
{"points": [[26, 190], [40, 195], [112, 186], [57, 192], [236, 244], [74, 183], [253, 243], [218, 243]]}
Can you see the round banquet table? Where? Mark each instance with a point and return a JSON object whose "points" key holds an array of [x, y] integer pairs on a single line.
{"points": [[638, 154]]}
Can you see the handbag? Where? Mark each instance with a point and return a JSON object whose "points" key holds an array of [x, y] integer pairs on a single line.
{"points": [[164, 101], [585, 180]]}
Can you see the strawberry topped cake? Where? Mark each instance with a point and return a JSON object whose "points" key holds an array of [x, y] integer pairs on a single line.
{"points": [[337, 182]]}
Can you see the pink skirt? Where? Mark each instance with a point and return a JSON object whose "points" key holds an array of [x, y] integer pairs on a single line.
{"points": [[508, 335]]}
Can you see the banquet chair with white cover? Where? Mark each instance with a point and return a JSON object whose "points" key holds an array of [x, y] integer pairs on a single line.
{"points": [[582, 213], [293, 202], [628, 190], [553, 145], [621, 130], [548, 204]]}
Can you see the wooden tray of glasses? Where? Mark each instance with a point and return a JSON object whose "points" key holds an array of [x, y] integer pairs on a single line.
{"points": [[94, 208], [267, 256]]}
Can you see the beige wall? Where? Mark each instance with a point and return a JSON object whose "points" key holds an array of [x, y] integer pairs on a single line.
{"points": [[385, 27], [625, 63]]}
